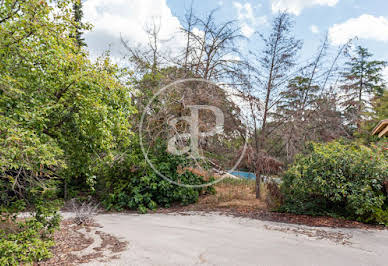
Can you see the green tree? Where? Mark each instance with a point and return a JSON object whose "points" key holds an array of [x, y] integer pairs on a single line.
{"points": [[380, 106], [362, 80], [303, 114], [299, 97], [60, 114], [297, 103], [379, 112], [78, 15]]}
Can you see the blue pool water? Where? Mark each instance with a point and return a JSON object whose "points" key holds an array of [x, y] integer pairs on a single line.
{"points": [[246, 175]]}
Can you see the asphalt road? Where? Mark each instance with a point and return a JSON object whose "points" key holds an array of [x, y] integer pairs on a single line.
{"points": [[212, 239]]}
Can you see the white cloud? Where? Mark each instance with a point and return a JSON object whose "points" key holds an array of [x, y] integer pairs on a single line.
{"points": [[262, 20], [296, 6], [247, 18], [128, 18], [244, 11], [364, 27], [246, 30], [221, 3], [314, 29]]}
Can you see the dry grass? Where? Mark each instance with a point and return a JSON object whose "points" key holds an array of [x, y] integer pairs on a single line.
{"points": [[9, 225], [234, 193]]}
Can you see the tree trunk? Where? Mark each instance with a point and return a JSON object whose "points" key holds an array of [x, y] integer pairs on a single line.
{"points": [[258, 182], [65, 190], [360, 100], [359, 108]]}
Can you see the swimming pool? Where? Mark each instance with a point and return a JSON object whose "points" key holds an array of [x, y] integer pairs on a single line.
{"points": [[247, 175]]}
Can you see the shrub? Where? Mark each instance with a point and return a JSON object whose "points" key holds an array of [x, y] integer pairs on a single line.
{"points": [[338, 179], [133, 184], [273, 197], [24, 241]]}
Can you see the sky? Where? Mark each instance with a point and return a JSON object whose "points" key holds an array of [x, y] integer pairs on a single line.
{"points": [[341, 19]]}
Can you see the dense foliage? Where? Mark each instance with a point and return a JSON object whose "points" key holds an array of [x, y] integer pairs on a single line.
{"points": [[62, 117], [27, 240], [362, 79], [60, 114], [339, 179], [133, 184], [380, 106]]}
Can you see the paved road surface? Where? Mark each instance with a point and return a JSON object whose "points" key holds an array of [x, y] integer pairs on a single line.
{"points": [[212, 239]]}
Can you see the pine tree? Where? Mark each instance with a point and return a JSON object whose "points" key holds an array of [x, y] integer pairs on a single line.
{"points": [[362, 81], [293, 113], [304, 114], [278, 57], [78, 15], [379, 112], [381, 106], [273, 64], [298, 98]]}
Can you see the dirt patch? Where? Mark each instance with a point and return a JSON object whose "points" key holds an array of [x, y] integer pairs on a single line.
{"points": [[111, 243], [232, 193], [266, 215], [337, 237], [72, 242], [237, 198]]}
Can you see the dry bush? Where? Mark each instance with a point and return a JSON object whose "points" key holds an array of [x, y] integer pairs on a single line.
{"points": [[273, 196], [8, 226], [84, 212], [229, 189], [259, 162]]}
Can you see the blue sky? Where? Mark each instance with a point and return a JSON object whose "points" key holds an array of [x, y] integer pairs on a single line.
{"points": [[343, 19]]}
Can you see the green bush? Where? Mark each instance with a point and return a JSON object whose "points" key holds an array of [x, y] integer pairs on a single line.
{"points": [[133, 184], [337, 179], [25, 241]]}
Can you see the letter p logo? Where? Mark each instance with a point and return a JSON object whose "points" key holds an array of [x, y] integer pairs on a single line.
{"points": [[194, 134]]}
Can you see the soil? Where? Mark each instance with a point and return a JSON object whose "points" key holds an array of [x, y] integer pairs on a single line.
{"points": [[239, 200], [256, 211], [73, 240]]}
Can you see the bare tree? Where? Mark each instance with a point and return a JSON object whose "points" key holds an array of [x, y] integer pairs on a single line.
{"points": [[149, 58], [190, 21], [278, 58], [268, 75], [210, 51]]}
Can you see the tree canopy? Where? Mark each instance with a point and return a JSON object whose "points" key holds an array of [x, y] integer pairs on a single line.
{"points": [[58, 110]]}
